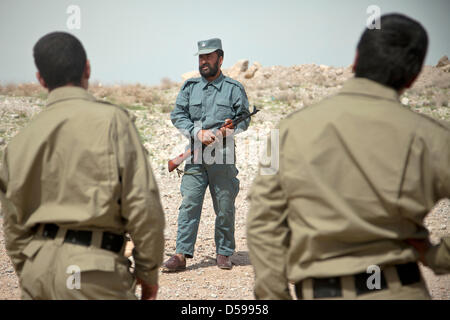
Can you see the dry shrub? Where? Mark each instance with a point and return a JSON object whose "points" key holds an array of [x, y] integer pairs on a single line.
{"points": [[166, 84], [283, 85], [23, 90], [128, 95], [440, 99], [442, 81], [167, 108], [286, 97]]}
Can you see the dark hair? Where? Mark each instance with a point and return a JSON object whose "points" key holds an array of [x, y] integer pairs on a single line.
{"points": [[60, 59], [219, 53], [392, 55]]}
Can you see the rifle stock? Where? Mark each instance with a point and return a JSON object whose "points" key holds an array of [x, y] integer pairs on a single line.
{"points": [[175, 162]]}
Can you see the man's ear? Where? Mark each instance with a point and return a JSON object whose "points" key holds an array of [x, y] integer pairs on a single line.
{"points": [[355, 62], [87, 70], [220, 61], [41, 80], [86, 75]]}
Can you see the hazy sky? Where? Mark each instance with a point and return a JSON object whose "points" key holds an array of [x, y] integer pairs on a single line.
{"points": [[146, 40]]}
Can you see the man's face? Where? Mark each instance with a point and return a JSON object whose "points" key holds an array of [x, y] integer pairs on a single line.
{"points": [[209, 64]]}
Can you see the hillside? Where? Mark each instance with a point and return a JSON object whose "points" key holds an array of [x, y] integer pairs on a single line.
{"points": [[277, 91]]}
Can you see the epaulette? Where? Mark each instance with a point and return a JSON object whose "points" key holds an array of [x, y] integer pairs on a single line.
{"points": [[235, 82], [190, 81]]}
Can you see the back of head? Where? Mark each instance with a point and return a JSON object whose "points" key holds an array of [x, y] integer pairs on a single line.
{"points": [[60, 59], [394, 54]]}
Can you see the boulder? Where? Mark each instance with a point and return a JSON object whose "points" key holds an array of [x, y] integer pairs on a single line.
{"points": [[238, 68], [252, 70], [443, 62]]}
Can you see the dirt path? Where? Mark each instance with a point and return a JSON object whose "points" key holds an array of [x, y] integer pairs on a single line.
{"points": [[203, 280]]}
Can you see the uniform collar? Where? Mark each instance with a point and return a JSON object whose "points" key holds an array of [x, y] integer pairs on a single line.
{"points": [[68, 93], [217, 83], [367, 87]]}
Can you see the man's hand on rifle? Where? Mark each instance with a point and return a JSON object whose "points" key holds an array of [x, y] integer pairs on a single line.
{"points": [[206, 137], [225, 132]]}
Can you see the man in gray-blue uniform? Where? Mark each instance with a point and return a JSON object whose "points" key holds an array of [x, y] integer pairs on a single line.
{"points": [[202, 107]]}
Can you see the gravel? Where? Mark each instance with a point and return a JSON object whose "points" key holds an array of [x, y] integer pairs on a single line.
{"points": [[202, 279]]}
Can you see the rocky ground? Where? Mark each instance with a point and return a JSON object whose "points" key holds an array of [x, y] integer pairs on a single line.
{"points": [[277, 91]]}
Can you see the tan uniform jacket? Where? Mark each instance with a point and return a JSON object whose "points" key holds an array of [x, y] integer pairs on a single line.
{"points": [[357, 174], [80, 164]]}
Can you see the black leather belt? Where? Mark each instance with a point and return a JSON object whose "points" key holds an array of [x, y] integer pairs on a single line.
{"points": [[408, 273], [110, 241]]}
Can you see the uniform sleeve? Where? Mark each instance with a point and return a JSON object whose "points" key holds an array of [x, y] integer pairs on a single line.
{"points": [[180, 116], [268, 236], [438, 257], [240, 105], [443, 165], [16, 235], [140, 202]]}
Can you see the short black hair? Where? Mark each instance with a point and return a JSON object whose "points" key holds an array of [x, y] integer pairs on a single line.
{"points": [[394, 54], [60, 59], [219, 53]]}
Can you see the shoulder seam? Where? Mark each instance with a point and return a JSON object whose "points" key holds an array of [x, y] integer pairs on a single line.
{"points": [[190, 80], [232, 81], [432, 120], [114, 105]]}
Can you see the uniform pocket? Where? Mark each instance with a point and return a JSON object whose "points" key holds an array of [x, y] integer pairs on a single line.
{"points": [[93, 275], [224, 110], [232, 175], [91, 262], [195, 109]]}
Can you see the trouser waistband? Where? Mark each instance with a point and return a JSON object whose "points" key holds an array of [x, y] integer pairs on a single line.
{"points": [[101, 239], [361, 283]]}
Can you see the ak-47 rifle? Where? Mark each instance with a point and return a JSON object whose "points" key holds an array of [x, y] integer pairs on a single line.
{"points": [[230, 124]]}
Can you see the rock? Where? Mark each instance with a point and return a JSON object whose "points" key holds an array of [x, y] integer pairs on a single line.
{"points": [[446, 68], [267, 74], [252, 70], [190, 74], [405, 101], [238, 68], [443, 62]]}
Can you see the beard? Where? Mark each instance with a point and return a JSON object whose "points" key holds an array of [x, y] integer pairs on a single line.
{"points": [[210, 71]]}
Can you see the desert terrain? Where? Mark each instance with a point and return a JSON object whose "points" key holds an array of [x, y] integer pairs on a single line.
{"points": [[277, 91]]}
